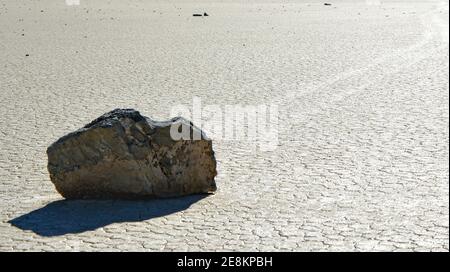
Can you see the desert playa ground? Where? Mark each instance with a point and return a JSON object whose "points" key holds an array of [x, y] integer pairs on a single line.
{"points": [[363, 131]]}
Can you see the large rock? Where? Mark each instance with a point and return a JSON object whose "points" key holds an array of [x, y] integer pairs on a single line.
{"points": [[123, 154]]}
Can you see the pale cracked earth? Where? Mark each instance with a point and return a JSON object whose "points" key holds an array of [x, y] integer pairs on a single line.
{"points": [[362, 91]]}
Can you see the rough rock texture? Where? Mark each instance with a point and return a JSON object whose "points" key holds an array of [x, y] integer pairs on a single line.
{"points": [[123, 154]]}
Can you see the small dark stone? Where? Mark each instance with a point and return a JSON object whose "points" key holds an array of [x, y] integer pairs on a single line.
{"points": [[205, 14], [327, 4], [27, 55]]}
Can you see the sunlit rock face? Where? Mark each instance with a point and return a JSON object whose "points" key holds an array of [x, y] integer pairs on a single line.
{"points": [[125, 155]]}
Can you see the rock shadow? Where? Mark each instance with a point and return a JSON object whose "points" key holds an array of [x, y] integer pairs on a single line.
{"points": [[75, 216]]}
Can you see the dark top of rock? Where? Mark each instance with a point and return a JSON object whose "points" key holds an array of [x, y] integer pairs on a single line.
{"points": [[106, 119]]}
